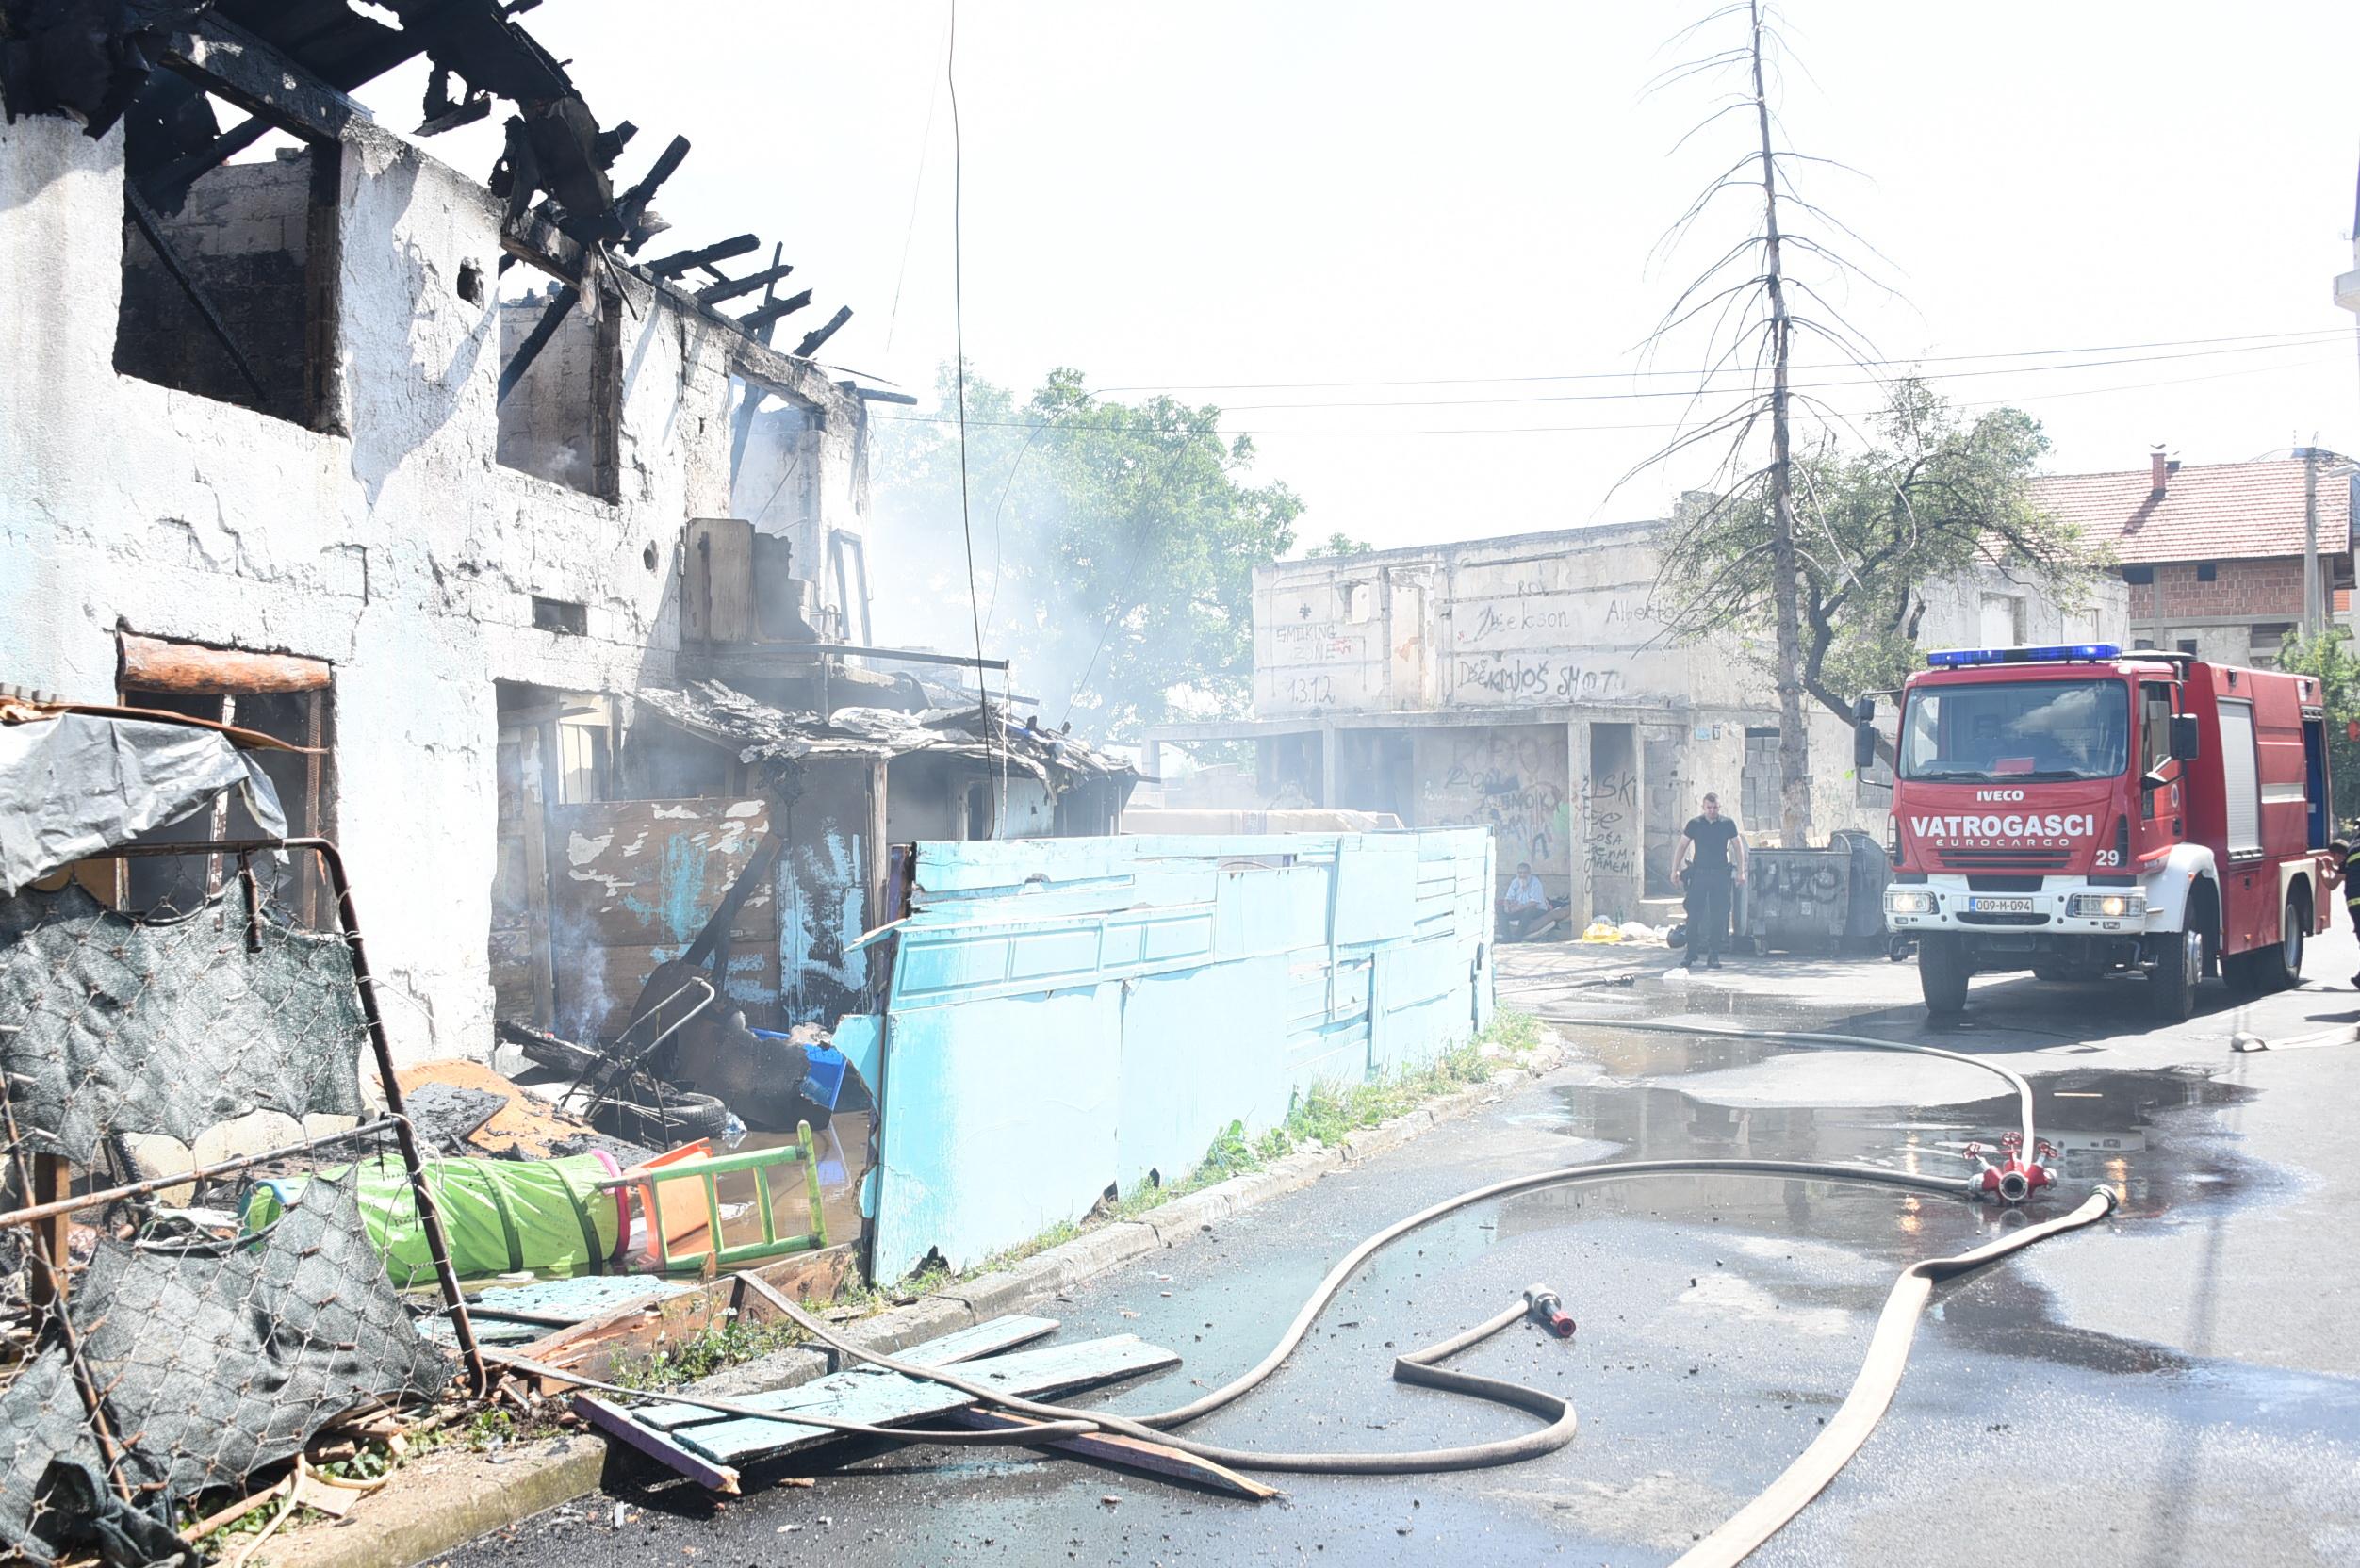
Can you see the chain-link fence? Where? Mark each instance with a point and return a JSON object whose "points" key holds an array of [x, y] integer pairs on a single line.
{"points": [[216, 1241]]}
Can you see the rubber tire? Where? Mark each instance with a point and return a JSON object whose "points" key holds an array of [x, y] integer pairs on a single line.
{"points": [[2172, 987], [2280, 968], [1943, 973]]}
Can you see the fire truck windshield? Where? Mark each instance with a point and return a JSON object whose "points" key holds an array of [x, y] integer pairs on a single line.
{"points": [[2016, 730]]}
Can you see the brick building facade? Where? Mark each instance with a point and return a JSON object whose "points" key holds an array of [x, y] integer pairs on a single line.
{"points": [[2213, 555]]}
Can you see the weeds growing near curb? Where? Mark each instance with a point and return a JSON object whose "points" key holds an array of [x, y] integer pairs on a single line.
{"points": [[723, 1342]]}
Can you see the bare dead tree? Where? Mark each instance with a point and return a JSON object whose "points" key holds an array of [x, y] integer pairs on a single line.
{"points": [[1732, 559]]}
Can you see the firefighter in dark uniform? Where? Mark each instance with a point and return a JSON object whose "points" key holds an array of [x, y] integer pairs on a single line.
{"points": [[2345, 873]]}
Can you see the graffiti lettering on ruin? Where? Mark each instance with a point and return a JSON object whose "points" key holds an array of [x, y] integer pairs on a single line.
{"points": [[1313, 691], [1533, 678], [1609, 805], [1317, 641], [1500, 780], [1497, 620]]}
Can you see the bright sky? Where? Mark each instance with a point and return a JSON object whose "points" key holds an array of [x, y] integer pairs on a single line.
{"points": [[1217, 194]]}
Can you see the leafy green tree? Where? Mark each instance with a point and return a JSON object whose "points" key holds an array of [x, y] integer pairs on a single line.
{"points": [[1338, 542], [1931, 496], [1114, 547], [2332, 656]]}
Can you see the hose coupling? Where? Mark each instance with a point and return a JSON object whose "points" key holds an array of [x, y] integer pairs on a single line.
{"points": [[2015, 1179], [1543, 1307]]}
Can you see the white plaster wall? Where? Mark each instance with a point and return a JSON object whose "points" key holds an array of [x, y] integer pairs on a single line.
{"points": [[1549, 620], [402, 553], [1954, 611]]}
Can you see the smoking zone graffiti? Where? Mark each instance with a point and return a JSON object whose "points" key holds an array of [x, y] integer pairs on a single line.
{"points": [[1510, 778]]}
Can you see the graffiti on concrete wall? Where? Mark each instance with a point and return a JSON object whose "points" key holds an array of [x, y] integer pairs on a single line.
{"points": [[1506, 678], [1509, 778], [1611, 812]]}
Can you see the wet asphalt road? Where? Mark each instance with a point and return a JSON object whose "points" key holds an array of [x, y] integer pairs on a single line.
{"points": [[2178, 1385]]}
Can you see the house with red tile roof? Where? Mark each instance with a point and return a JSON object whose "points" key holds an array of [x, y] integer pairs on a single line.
{"points": [[2214, 553]]}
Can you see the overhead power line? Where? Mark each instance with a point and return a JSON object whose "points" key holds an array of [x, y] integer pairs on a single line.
{"points": [[1693, 391], [2305, 336], [1231, 431]]}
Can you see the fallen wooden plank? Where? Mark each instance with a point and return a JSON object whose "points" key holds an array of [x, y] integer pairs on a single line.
{"points": [[1128, 1453], [887, 1399], [618, 1424], [982, 1339], [520, 1314], [961, 1344]]}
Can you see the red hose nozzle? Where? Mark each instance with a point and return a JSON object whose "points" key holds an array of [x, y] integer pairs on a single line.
{"points": [[1542, 1305]]}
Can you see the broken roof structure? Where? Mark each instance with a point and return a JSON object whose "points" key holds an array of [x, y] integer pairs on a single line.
{"points": [[762, 733], [158, 68]]}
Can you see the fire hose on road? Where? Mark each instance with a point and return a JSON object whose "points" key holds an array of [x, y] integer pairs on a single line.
{"points": [[1810, 1472]]}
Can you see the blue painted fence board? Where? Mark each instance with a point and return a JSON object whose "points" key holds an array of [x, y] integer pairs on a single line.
{"points": [[1065, 1014]]}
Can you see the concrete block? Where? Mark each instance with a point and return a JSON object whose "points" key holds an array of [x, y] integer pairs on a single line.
{"points": [[997, 1294], [929, 1318], [779, 1369]]}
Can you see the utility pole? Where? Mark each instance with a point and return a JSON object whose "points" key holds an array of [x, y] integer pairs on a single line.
{"points": [[2313, 608]]}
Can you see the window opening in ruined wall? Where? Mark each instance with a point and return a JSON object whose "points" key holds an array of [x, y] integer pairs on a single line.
{"points": [[561, 383], [230, 270]]}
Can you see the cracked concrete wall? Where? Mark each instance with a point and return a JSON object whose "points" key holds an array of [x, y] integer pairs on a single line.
{"points": [[402, 554]]}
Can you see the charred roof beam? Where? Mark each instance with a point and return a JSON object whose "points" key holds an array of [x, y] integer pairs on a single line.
{"points": [[686, 261], [731, 288], [230, 62]]}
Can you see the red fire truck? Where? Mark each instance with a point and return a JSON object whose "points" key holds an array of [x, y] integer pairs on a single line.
{"points": [[2081, 811]]}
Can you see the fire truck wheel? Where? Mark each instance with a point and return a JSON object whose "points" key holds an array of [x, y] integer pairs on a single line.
{"points": [[2178, 971], [1943, 973], [2282, 966]]}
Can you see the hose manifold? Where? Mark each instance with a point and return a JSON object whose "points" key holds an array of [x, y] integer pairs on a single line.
{"points": [[2013, 1180], [1543, 1307]]}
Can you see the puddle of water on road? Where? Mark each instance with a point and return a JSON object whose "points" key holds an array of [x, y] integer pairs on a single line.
{"points": [[2100, 1120]]}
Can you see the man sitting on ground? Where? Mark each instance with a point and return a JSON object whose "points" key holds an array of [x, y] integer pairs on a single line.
{"points": [[1524, 908]]}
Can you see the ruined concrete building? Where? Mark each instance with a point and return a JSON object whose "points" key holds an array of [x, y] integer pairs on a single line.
{"points": [[1523, 683], [302, 428]]}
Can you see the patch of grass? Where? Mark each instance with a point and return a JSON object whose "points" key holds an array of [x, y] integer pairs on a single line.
{"points": [[1513, 1033], [674, 1363]]}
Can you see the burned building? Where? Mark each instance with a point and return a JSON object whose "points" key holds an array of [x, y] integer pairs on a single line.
{"points": [[432, 475]]}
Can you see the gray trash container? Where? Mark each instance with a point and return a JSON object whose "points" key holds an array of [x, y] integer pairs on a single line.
{"points": [[1798, 898]]}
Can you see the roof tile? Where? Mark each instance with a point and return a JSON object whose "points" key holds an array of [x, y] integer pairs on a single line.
{"points": [[2215, 511]]}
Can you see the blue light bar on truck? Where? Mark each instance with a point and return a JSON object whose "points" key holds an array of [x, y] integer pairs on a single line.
{"points": [[1947, 659]]}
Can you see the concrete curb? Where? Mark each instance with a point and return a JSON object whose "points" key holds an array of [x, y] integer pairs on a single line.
{"points": [[434, 1508]]}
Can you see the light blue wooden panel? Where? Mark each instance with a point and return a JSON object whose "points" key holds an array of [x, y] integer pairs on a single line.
{"points": [[930, 962], [887, 1398], [1376, 882], [860, 1037], [1266, 910], [1201, 1049], [999, 1122], [989, 1338], [1020, 1081]]}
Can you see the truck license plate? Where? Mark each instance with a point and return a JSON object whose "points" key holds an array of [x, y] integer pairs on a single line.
{"points": [[2000, 905]]}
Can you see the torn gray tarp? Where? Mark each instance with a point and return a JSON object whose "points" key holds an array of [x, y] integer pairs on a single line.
{"points": [[80, 784], [212, 1365], [127, 1025]]}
